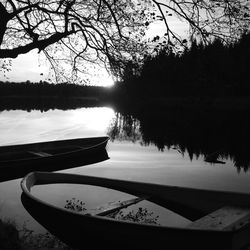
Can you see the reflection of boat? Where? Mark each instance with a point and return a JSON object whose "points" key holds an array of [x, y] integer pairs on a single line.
{"points": [[213, 158], [220, 219], [214, 161], [18, 160]]}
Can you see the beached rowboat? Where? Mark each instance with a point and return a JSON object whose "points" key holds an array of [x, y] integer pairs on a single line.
{"points": [[220, 219], [16, 160]]}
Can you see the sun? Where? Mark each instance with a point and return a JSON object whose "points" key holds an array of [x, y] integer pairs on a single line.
{"points": [[107, 82], [104, 79]]}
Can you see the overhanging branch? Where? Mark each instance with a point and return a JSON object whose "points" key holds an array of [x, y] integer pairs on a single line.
{"points": [[40, 45]]}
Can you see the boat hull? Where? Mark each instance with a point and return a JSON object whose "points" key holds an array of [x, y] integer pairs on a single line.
{"points": [[94, 232], [81, 152], [79, 230]]}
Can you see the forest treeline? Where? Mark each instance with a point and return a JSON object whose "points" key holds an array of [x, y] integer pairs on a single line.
{"points": [[44, 96], [214, 70], [45, 89]]}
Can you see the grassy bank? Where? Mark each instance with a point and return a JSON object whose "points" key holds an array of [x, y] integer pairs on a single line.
{"points": [[13, 238]]}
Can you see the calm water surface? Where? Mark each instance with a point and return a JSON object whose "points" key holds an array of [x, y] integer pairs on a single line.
{"points": [[128, 160]]}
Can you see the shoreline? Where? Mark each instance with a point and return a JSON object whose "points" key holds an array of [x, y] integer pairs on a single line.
{"points": [[216, 103]]}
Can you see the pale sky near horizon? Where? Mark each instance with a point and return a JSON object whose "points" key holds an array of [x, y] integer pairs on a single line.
{"points": [[34, 68]]}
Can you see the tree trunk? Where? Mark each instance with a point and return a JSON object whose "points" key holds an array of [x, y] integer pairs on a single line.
{"points": [[4, 18]]}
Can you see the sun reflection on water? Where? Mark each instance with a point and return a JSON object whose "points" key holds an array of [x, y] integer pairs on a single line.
{"points": [[97, 119], [23, 127]]}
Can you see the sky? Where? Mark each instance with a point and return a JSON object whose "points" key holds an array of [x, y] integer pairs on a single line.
{"points": [[33, 66], [27, 67]]}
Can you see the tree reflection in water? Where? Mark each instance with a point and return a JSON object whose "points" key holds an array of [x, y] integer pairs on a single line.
{"points": [[216, 135], [125, 127], [140, 215]]}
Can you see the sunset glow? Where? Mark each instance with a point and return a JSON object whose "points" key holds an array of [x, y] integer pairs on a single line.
{"points": [[34, 67]]}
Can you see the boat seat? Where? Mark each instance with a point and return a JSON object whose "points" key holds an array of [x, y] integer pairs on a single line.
{"points": [[115, 206], [40, 153], [225, 218]]}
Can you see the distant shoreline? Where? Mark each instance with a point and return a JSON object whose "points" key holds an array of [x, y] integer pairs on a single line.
{"points": [[41, 95], [64, 102], [52, 97]]}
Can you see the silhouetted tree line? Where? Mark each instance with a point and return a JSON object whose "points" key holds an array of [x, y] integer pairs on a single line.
{"points": [[47, 103], [45, 89], [214, 70], [44, 96], [198, 133]]}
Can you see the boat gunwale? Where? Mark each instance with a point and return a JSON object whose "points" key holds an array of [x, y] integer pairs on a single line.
{"points": [[37, 174], [105, 140], [27, 192]]}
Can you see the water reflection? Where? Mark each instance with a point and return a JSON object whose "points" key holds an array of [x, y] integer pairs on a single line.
{"points": [[214, 135], [125, 127], [18, 126], [190, 133]]}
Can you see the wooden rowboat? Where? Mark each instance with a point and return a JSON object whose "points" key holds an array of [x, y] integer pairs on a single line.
{"points": [[220, 219], [18, 160]]}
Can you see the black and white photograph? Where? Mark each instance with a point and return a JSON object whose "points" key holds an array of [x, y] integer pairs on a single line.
{"points": [[124, 124]]}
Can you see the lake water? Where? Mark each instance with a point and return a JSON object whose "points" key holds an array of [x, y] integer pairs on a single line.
{"points": [[130, 159]]}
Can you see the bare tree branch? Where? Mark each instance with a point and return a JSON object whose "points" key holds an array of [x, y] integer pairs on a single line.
{"points": [[40, 45], [110, 32]]}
